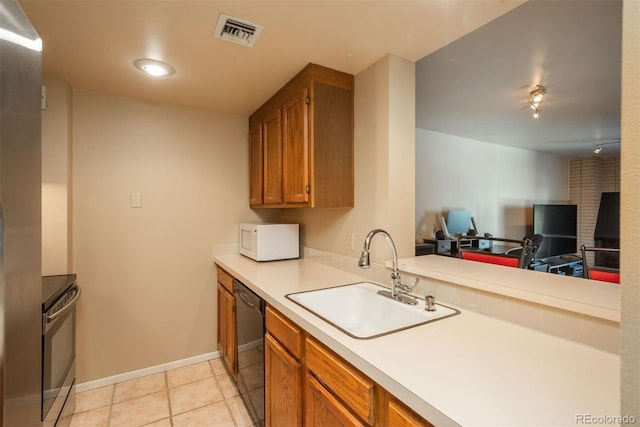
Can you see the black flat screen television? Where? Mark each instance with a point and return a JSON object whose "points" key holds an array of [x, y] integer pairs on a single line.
{"points": [[559, 226]]}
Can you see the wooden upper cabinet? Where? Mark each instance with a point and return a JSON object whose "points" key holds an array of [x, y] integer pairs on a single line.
{"points": [[313, 138], [272, 148], [255, 165], [295, 142]]}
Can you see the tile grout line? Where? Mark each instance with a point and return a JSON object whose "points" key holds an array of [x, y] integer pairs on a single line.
{"points": [[166, 387], [113, 396], [224, 398]]}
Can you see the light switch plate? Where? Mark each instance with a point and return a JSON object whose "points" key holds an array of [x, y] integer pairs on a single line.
{"points": [[136, 200]]}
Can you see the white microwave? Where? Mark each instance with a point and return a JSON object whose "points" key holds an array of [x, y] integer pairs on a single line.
{"points": [[269, 242]]}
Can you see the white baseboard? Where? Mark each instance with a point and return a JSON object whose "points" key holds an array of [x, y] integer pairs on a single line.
{"points": [[90, 385]]}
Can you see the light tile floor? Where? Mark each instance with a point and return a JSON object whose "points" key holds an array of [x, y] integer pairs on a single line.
{"points": [[197, 395]]}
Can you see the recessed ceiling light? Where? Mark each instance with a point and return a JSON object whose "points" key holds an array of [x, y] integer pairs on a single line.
{"points": [[154, 68]]}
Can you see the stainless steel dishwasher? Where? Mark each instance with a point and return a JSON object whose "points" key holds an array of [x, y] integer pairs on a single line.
{"points": [[250, 309]]}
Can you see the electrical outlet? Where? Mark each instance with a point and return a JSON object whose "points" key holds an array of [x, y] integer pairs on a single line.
{"points": [[350, 241]]}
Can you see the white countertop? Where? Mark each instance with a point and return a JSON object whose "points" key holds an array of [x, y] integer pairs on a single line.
{"points": [[468, 370]]}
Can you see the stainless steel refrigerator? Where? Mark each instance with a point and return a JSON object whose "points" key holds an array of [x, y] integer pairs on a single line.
{"points": [[20, 219]]}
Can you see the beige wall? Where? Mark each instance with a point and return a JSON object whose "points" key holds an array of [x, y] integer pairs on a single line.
{"points": [[147, 273], [147, 276], [630, 209], [384, 176], [56, 177], [498, 184]]}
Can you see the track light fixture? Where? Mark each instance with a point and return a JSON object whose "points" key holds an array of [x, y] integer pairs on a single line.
{"points": [[598, 148], [537, 96]]}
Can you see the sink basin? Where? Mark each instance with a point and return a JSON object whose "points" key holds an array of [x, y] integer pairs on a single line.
{"points": [[359, 311]]}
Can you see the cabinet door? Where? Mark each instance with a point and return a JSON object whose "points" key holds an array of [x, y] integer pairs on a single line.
{"points": [[283, 386], [255, 166], [322, 409], [272, 148], [227, 329], [295, 140], [352, 387]]}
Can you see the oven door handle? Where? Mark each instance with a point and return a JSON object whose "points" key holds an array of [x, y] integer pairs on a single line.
{"points": [[68, 306]]}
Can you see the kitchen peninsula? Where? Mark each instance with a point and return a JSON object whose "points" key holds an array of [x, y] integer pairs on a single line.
{"points": [[469, 369]]}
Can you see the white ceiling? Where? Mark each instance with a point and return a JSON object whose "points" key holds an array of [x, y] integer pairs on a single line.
{"points": [[478, 86], [93, 44]]}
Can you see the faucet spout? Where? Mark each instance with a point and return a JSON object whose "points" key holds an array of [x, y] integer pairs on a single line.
{"points": [[365, 261], [397, 287]]}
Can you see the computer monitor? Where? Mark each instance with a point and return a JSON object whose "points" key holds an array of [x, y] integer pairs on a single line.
{"points": [[558, 225], [458, 221]]}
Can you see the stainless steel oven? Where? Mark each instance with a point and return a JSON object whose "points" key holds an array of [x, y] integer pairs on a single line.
{"points": [[250, 310], [60, 295]]}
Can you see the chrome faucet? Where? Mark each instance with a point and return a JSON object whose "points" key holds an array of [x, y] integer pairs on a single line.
{"points": [[397, 287]]}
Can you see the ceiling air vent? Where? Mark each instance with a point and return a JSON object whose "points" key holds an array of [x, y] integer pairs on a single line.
{"points": [[237, 30]]}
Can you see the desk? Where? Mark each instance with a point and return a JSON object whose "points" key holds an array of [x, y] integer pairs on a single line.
{"points": [[566, 265], [449, 247], [425, 249]]}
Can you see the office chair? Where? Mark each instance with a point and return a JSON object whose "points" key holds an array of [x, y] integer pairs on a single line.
{"points": [[536, 241], [604, 274]]}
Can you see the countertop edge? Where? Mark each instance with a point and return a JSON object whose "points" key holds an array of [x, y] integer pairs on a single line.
{"points": [[599, 299]]}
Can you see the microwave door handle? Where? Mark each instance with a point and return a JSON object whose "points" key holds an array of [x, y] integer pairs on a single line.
{"points": [[66, 308]]}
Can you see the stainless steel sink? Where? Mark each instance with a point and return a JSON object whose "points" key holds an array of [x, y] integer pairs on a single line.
{"points": [[359, 311]]}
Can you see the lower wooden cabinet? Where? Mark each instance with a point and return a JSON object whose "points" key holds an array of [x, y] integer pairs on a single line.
{"points": [[323, 409], [308, 384], [283, 385], [227, 345], [344, 381]]}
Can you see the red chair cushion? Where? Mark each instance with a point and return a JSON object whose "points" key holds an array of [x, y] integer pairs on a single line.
{"points": [[605, 276], [491, 258]]}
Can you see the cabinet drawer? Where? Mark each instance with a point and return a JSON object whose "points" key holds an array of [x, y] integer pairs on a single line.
{"points": [[401, 416], [225, 279], [346, 382], [289, 335]]}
